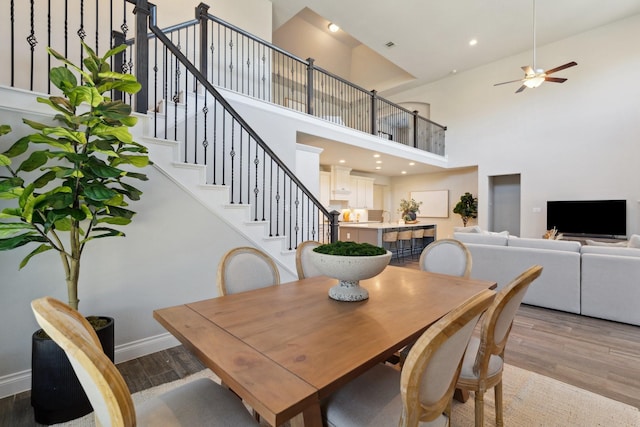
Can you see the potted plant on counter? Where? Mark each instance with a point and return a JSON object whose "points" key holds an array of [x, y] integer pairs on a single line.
{"points": [[409, 209], [350, 262], [70, 184]]}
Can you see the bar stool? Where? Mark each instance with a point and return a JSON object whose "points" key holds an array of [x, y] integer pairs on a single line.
{"points": [[416, 235], [391, 239], [404, 240]]}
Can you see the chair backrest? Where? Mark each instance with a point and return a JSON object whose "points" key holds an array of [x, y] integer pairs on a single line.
{"points": [[404, 235], [418, 233], [102, 382], [446, 256], [432, 367], [497, 322], [304, 266], [390, 236], [246, 268]]}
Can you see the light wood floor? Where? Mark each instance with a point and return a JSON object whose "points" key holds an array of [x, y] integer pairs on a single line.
{"points": [[593, 354]]}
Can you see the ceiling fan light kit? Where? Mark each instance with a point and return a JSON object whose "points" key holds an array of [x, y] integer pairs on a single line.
{"points": [[534, 77]]}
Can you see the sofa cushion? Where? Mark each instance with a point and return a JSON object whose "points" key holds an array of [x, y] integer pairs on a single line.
{"points": [[469, 229], [555, 245], [597, 243], [481, 238], [608, 250]]}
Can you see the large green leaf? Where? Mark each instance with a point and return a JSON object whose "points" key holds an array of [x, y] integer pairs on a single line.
{"points": [[62, 77], [19, 147], [4, 129], [9, 183], [11, 228], [77, 137], [105, 171], [129, 87], [114, 51], [44, 179], [35, 160], [43, 139], [4, 160], [99, 192], [104, 232], [132, 192], [140, 176], [114, 110], [115, 220], [121, 133], [21, 240], [119, 211], [58, 103], [40, 249], [88, 94], [138, 161]]}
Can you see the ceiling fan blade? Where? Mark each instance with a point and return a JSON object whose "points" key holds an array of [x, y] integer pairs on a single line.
{"points": [[511, 81], [562, 67], [521, 88], [555, 79], [528, 69]]}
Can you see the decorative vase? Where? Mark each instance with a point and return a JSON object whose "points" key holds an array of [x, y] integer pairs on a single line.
{"points": [[349, 270], [56, 394]]}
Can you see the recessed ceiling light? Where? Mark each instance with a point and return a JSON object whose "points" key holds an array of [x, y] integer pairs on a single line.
{"points": [[403, 172], [333, 27], [378, 161], [376, 155], [412, 164], [341, 161], [473, 42], [378, 168]]}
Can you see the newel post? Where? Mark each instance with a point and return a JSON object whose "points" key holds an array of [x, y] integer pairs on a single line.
{"points": [[142, 54], [334, 225], [202, 12], [310, 99], [415, 128]]}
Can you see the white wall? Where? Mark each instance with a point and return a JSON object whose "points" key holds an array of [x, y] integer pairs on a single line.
{"points": [[576, 140]]}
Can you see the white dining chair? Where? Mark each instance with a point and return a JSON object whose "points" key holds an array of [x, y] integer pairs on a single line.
{"points": [[197, 403], [484, 359], [446, 256], [422, 392], [304, 265], [246, 268]]}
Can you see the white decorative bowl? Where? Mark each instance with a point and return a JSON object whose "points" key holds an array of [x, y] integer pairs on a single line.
{"points": [[349, 270]]}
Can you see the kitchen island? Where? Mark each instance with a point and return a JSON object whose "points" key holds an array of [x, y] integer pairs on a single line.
{"points": [[371, 232]]}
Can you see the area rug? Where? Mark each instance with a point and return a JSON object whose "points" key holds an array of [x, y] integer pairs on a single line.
{"points": [[529, 400]]}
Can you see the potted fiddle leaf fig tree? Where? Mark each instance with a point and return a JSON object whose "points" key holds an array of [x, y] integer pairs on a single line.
{"points": [[70, 181], [467, 207]]}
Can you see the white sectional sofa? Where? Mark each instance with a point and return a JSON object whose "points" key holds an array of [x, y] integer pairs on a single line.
{"points": [[596, 281], [502, 258], [611, 283]]}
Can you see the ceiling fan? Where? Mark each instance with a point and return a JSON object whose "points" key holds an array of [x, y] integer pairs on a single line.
{"points": [[533, 76]]}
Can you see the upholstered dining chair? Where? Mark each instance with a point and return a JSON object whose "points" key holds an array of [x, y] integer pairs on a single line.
{"points": [[304, 266], [246, 268], [200, 402], [484, 359], [446, 256], [422, 392]]}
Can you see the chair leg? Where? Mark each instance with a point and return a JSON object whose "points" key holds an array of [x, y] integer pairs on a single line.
{"points": [[479, 402], [498, 400]]}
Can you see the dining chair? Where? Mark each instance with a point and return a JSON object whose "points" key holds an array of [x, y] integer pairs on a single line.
{"points": [[200, 402], [484, 359], [246, 268], [304, 266], [422, 392], [446, 256]]}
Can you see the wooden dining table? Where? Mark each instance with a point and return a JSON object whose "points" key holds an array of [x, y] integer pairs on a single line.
{"points": [[284, 348]]}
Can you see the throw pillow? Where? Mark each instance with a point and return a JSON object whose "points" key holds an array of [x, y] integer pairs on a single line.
{"points": [[596, 243], [634, 241]]}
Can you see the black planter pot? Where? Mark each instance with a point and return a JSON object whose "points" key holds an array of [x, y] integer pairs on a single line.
{"points": [[56, 393]]}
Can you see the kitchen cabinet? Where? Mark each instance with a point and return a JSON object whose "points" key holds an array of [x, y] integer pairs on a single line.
{"points": [[325, 188], [361, 192], [340, 183]]}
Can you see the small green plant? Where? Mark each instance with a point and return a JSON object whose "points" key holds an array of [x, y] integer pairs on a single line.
{"points": [[467, 207], [76, 183], [350, 249]]}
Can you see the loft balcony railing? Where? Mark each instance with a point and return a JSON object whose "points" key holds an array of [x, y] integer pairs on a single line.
{"points": [[226, 55]]}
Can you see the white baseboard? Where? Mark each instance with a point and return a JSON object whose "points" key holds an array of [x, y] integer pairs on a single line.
{"points": [[21, 381]]}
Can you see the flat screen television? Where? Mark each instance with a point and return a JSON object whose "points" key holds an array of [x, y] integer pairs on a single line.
{"points": [[588, 217]]}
